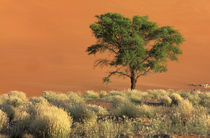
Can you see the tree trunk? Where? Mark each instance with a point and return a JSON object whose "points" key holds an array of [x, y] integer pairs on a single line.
{"points": [[133, 83], [133, 80]]}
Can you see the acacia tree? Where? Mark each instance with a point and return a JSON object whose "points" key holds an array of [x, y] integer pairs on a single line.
{"points": [[136, 46]]}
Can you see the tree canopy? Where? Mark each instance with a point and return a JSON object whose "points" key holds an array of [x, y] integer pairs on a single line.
{"points": [[137, 45]]}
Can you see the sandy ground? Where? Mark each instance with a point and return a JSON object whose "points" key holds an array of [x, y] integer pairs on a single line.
{"points": [[43, 42]]}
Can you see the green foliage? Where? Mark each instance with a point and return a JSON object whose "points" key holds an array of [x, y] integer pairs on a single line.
{"points": [[137, 45]]}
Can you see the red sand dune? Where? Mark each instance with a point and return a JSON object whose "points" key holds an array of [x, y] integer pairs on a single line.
{"points": [[43, 42]]}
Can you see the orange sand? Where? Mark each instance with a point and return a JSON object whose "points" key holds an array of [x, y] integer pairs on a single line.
{"points": [[43, 42]]}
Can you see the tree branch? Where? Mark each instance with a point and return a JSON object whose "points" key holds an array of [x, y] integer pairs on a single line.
{"points": [[142, 74]]}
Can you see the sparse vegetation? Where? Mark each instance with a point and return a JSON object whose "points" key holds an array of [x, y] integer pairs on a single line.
{"points": [[130, 113]]}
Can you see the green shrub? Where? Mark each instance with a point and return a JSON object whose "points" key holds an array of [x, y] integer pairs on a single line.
{"points": [[20, 123], [81, 113], [50, 121], [38, 100], [154, 94], [146, 111], [91, 95], [127, 109], [185, 108], [14, 98], [166, 100], [118, 100], [199, 122], [185, 94], [135, 96], [3, 121], [157, 93], [114, 93], [53, 96], [176, 98], [194, 99], [9, 110], [97, 109], [103, 94], [75, 98], [205, 100]]}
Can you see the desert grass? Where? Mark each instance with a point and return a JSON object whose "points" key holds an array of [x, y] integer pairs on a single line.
{"points": [[105, 114]]}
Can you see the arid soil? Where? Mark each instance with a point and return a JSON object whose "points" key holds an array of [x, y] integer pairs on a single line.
{"points": [[43, 43]]}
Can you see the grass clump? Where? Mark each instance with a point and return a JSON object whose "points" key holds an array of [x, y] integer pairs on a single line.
{"points": [[146, 111], [91, 95], [14, 98], [165, 100], [75, 98], [127, 109], [100, 111], [53, 96], [103, 94], [81, 113], [38, 100], [20, 122], [117, 100], [50, 121], [176, 98], [4, 121], [135, 96]]}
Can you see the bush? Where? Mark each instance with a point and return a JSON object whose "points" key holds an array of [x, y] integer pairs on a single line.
{"points": [[52, 96], [3, 121], [176, 98], [91, 95], [166, 100], [20, 123], [103, 94], [146, 111], [38, 100], [135, 96], [118, 93], [118, 100], [97, 109], [157, 93], [81, 113], [185, 109], [127, 109], [9, 110], [185, 95], [50, 121], [14, 98], [75, 98]]}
